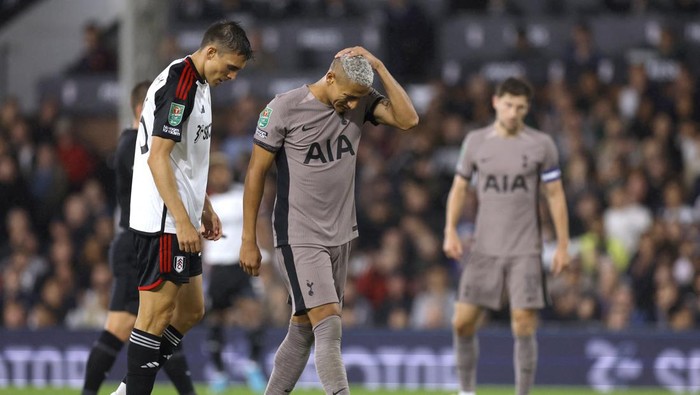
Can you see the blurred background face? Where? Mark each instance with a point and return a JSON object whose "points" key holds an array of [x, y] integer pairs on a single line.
{"points": [[220, 177], [510, 111]]}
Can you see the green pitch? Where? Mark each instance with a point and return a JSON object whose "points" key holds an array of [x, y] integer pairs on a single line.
{"points": [[484, 390]]}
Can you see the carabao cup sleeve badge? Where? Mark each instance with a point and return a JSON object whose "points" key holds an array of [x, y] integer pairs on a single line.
{"points": [[175, 114], [264, 117]]}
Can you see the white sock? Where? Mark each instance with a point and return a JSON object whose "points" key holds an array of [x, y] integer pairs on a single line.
{"points": [[121, 390], [466, 393]]}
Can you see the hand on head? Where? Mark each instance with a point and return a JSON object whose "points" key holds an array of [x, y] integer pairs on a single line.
{"points": [[360, 51]]}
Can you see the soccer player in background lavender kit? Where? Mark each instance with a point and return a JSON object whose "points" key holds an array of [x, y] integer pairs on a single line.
{"points": [[511, 161]]}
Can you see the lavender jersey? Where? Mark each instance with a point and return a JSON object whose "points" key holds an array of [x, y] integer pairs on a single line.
{"points": [[315, 153], [509, 171]]}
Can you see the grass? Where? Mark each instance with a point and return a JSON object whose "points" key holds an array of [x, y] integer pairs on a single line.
{"points": [[484, 390]]}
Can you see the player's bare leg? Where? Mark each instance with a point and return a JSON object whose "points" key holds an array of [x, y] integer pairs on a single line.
{"points": [[120, 323], [466, 321], [189, 308], [524, 326]]}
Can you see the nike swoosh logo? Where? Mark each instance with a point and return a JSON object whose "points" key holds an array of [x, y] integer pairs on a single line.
{"points": [[339, 391], [304, 128]]}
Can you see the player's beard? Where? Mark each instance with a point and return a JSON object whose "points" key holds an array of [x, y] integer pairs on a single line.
{"points": [[340, 108], [510, 127]]}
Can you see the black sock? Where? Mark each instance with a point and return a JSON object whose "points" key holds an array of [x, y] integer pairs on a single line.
{"points": [[169, 343], [104, 352], [143, 358], [256, 339], [215, 345], [179, 372]]}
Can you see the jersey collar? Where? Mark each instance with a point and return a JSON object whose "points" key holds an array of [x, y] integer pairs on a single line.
{"points": [[199, 77]]}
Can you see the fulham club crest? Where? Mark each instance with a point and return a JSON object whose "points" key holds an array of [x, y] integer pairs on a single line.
{"points": [[179, 263]]}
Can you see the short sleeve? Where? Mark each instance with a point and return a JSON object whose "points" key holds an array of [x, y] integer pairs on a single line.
{"points": [[550, 164], [371, 101], [465, 164], [174, 101], [270, 130]]}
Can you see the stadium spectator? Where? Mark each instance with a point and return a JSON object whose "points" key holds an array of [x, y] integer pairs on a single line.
{"points": [[582, 54], [433, 306], [44, 124], [228, 286], [357, 312], [13, 188], [10, 113], [75, 158], [96, 57], [409, 36]]}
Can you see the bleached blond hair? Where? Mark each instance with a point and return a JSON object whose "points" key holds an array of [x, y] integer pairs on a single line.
{"points": [[357, 69]]}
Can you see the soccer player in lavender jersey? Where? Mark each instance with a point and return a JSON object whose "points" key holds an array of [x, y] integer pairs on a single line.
{"points": [[511, 161], [312, 134]]}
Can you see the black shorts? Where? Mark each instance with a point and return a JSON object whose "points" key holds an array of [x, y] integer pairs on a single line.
{"points": [[160, 259], [226, 284], [122, 261]]}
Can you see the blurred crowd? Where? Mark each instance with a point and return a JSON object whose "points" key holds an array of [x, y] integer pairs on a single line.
{"points": [[212, 9], [630, 156]]}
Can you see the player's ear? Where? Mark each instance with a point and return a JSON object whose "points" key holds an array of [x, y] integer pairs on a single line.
{"points": [[211, 51], [330, 77]]}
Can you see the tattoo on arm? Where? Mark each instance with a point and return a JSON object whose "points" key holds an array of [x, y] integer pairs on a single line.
{"points": [[385, 102]]}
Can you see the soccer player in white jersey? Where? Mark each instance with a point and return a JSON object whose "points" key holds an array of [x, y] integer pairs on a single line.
{"points": [[313, 133], [512, 161], [170, 211]]}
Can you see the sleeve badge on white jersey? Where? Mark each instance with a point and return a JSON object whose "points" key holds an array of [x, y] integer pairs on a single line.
{"points": [[175, 114]]}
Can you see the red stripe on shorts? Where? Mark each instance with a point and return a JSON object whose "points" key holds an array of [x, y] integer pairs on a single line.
{"points": [[160, 254], [169, 254], [151, 286]]}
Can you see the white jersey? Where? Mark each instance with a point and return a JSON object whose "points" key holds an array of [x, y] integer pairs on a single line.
{"points": [[177, 107], [229, 207]]}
